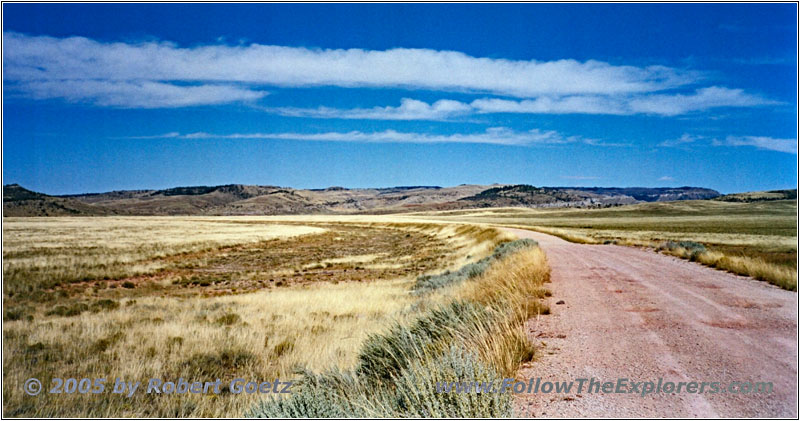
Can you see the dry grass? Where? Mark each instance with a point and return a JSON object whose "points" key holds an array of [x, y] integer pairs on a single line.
{"points": [[474, 332], [514, 286], [166, 330], [756, 239], [41, 253], [259, 336], [782, 276]]}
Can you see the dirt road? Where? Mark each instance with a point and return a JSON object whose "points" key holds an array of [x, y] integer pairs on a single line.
{"points": [[636, 314]]}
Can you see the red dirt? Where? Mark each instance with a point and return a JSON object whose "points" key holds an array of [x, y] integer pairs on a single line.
{"points": [[636, 314]]}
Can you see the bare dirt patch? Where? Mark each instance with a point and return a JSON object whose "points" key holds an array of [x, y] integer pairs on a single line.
{"points": [[276, 263]]}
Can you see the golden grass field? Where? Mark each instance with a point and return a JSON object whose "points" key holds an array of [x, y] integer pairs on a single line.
{"points": [[273, 297], [201, 298]]}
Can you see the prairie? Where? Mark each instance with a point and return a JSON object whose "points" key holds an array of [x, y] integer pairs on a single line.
{"points": [[204, 298], [757, 238]]}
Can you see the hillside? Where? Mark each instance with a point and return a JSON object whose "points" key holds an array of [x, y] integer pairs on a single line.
{"points": [[19, 201], [759, 196], [530, 196], [237, 199]]}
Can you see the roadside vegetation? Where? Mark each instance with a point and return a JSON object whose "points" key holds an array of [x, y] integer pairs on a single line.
{"points": [[783, 276], [474, 334], [745, 234], [255, 298]]}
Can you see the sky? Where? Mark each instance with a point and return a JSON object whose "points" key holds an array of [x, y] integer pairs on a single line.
{"points": [[101, 97]]}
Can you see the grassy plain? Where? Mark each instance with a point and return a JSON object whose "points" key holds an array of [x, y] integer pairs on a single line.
{"points": [[473, 334], [757, 239], [207, 298]]}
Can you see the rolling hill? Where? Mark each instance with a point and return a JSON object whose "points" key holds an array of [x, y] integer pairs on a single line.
{"points": [[237, 199], [759, 196]]}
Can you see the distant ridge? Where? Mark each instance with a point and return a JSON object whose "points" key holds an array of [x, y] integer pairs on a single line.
{"points": [[759, 196], [19, 201], [239, 199]]}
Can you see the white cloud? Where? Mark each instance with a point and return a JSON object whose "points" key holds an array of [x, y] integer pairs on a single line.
{"points": [[666, 178], [662, 104], [40, 63], [658, 104], [702, 99], [409, 109], [494, 135], [761, 142], [162, 74], [580, 104], [136, 94], [685, 139]]}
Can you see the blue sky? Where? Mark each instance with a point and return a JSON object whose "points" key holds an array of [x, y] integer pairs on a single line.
{"points": [[106, 97]]}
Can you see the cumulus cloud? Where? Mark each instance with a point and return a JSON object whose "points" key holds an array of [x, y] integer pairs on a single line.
{"points": [[38, 64], [494, 135]]}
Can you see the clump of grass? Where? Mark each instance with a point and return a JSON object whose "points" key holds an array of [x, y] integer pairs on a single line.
{"points": [[68, 311], [427, 283], [415, 391], [218, 364], [412, 394], [283, 347], [688, 249], [385, 355], [104, 305], [228, 319], [17, 313], [107, 342], [510, 247]]}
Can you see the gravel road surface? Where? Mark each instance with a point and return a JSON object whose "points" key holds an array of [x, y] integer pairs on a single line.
{"points": [[636, 314]]}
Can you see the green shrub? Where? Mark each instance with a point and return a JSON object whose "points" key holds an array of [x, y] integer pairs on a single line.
{"points": [[427, 283], [691, 249], [330, 395], [101, 305], [415, 393], [410, 394], [68, 311], [507, 248], [384, 355], [14, 314]]}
